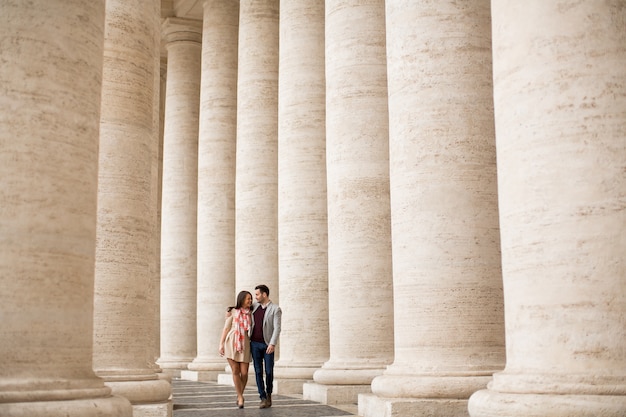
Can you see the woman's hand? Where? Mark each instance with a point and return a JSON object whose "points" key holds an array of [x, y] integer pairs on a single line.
{"points": [[221, 349]]}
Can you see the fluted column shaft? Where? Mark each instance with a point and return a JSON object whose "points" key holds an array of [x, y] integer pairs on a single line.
{"points": [[124, 296], [359, 241], [560, 107], [50, 80], [216, 181], [257, 126], [182, 38], [449, 324], [302, 219]]}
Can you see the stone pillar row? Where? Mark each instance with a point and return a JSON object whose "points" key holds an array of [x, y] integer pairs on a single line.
{"points": [[358, 181], [430, 331]]}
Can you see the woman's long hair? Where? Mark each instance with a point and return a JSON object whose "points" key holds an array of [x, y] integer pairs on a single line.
{"points": [[241, 298]]}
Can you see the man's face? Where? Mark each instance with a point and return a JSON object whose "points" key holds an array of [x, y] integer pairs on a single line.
{"points": [[260, 296]]}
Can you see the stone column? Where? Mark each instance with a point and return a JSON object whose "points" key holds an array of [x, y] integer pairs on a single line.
{"points": [[124, 300], [302, 219], [216, 183], [179, 194], [359, 240], [449, 324], [560, 108], [256, 232], [50, 81]]}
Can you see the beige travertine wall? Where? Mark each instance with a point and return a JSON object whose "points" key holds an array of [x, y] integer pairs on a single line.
{"points": [[302, 233], [124, 295], [449, 331], [216, 182], [256, 181], [560, 111], [359, 240], [179, 194], [50, 81]]}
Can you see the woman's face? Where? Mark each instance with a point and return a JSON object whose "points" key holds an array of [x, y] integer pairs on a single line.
{"points": [[248, 301]]}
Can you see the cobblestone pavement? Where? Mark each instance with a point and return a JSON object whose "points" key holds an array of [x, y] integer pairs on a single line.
{"points": [[208, 399]]}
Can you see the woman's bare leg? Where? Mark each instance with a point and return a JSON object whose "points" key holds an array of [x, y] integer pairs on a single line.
{"points": [[236, 369], [244, 375]]}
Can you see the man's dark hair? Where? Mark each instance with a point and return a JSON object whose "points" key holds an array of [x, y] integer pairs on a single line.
{"points": [[263, 288]]}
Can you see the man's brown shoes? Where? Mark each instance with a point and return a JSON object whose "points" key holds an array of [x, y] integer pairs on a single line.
{"points": [[266, 402]]}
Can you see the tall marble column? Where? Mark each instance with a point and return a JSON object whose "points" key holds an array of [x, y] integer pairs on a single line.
{"points": [[560, 108], [182, 39], [302, 219], [256, 196], [216, 183], [50, 81], [449, 324], [124, 300], [359, 239]]}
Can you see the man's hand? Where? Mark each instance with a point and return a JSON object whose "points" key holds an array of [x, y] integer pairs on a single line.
{"points": [[270, 349]]}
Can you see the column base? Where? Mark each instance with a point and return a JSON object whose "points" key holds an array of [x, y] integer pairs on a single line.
{"points": [[290, 376], [171, 373], [173, 367], [208, 364], [154, 410], [289, 386], [486, 403], [371, 405], [227, 379], [200, 376], [89, 407], [333, 394], [149, 398], [164, 377]]}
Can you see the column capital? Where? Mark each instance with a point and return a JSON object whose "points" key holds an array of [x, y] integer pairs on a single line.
{"points": [[175, 29]]}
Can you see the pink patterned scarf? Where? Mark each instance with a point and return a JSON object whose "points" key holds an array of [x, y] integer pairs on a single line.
{"points": [[242, 325]]}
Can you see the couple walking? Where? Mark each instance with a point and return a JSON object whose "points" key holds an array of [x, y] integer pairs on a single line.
{"points": [[252, 330]]}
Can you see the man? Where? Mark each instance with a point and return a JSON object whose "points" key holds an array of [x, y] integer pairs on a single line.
{"points": [[266, 318]]}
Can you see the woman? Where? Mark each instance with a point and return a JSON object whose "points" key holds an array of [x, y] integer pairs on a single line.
{"points": [[235, 342]]}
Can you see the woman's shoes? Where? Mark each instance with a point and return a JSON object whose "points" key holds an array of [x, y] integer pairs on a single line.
{"points": [[240, 404]]}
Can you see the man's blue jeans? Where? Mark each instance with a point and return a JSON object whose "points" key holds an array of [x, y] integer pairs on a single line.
{"points": [[259, 357]]}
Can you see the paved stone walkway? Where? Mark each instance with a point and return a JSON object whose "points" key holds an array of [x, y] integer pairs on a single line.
{"points": [[208, 399]]}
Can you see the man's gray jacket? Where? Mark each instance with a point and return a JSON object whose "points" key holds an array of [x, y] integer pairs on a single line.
{"points": [[271, 322]]}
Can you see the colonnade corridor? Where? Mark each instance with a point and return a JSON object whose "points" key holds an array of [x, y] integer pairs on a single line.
{"points": [[434, 192]]}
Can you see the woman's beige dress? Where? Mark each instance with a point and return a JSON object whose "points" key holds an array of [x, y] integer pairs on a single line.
{"points": [[229, 343]]}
